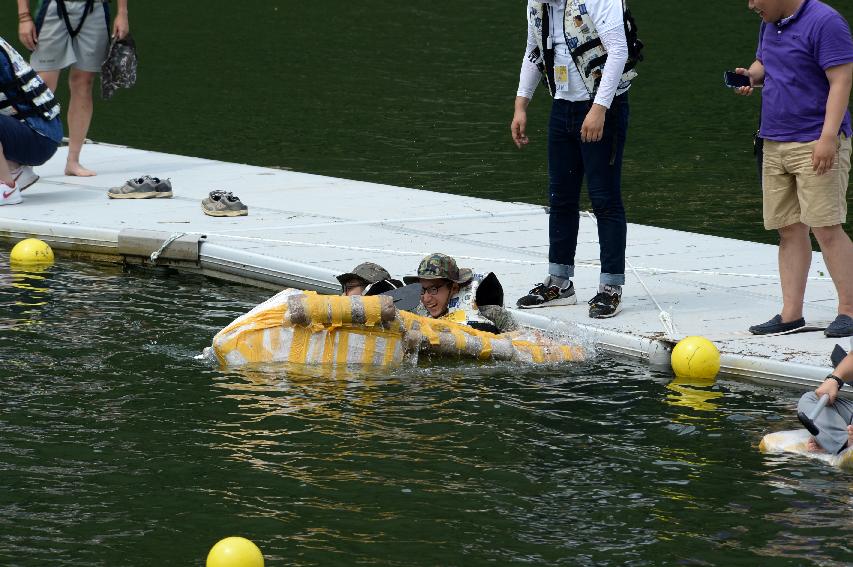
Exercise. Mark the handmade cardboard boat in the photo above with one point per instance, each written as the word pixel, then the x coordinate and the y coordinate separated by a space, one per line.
pixel 303 327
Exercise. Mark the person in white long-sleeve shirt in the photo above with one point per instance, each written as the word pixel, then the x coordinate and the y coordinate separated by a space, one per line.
pixel 586 138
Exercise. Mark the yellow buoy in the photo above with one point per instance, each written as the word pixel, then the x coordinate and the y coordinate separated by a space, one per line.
pixel 695 357
pixel 31 251
pixel 235 552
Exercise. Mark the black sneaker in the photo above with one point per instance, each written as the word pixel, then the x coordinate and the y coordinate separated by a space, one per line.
pixel 605 304
pixel 548 296
pixel 775 326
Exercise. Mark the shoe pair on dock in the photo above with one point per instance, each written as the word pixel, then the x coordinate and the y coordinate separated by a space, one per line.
pixel 842 326
pixel 218 203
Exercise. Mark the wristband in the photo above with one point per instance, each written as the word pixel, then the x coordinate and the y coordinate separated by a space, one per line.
pixel 837 379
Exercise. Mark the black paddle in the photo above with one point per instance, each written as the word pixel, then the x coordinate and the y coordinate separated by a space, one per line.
pixel 837 356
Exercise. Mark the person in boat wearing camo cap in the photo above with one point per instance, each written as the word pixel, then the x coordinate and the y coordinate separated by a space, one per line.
pixel 367 279
pixel 460 295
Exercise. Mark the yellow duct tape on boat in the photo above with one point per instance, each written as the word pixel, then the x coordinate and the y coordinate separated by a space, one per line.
pixel 306 328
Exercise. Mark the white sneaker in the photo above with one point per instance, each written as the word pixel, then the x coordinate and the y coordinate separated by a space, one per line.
pixel 9 195
pixel 24 177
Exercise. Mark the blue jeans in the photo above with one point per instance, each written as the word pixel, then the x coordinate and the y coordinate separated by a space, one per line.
pixel 569 160
pixel 22 144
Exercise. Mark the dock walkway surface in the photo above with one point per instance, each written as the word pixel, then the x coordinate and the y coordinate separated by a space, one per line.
pixel 304 229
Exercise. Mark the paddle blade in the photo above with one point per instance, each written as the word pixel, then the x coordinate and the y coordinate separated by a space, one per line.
pixel 807 423
pixel 837 355
pixel 808 420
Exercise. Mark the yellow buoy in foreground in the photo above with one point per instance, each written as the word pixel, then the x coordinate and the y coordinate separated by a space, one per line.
pixel 695 357
pixel 235 552
pixel 31 251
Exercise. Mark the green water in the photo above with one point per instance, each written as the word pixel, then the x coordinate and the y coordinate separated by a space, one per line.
pixel 117 447
pixel 421 95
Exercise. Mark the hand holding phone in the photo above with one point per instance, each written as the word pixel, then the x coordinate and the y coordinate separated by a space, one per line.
pixel 735 81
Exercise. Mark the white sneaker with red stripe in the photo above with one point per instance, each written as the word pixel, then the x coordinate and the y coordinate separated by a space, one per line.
pixel 24 176
pixel 9 195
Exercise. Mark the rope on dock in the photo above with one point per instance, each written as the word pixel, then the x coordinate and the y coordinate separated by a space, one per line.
pixel 168 241
pixel 664 316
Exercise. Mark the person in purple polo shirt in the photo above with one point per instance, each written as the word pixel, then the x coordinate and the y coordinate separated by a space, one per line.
pixel 805 63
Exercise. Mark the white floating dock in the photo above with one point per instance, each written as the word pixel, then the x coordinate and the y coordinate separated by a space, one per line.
pixel 303 229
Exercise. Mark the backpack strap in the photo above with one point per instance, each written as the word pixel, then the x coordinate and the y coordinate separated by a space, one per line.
pixel 63 11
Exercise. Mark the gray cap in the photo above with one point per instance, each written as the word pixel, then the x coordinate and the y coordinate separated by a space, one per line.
pixel 368 272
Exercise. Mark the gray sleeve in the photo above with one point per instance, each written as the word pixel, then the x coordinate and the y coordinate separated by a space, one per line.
pixel 502 318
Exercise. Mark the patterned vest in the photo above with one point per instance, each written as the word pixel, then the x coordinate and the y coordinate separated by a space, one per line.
pixel 584 45
pixel 22 92
pixel 462 307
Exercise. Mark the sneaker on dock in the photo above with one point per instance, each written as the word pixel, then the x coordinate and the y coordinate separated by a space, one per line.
pixel 223 204
pixel 548 295
pixel 775 326
pixel 606 303
pixel 24 177
pixel 145 187
pixel 9 195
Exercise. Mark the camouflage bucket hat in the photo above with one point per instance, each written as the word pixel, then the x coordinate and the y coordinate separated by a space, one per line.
pixel 368 271
pixel 119 68
pixel 440 267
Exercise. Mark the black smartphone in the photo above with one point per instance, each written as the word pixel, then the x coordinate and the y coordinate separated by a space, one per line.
pixel 733 80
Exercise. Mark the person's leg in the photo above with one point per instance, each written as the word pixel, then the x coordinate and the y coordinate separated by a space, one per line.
pixel 50 78
pixel 781 211
pixel 79 117
pixel 603 164
pixel 11 144
pixel 23 145
pixel 795 257
pixel 565 173
pixel 824 204
pixel 837 250
pixel 5 170
pixel 90 49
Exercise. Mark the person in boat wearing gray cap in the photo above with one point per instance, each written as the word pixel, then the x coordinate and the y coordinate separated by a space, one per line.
pixel 835 422
pixel 460 295
pixel 367 279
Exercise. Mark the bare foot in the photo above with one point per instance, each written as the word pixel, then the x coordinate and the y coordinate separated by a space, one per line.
pixel 813 446
pixel 77 170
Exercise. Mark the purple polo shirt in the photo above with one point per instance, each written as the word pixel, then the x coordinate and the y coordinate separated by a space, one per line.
pixel 796 53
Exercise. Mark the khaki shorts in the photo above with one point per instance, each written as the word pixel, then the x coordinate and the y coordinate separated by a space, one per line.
pixel 56 50
pixel 794 193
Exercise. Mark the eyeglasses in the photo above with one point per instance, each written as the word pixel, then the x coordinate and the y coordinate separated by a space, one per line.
pixel 432 290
